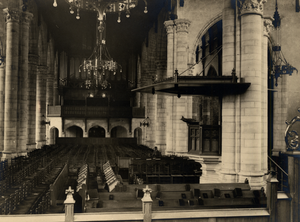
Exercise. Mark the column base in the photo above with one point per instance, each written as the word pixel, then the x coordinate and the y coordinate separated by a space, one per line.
pixel 228 176
pixel 40 144
pixel 161 148
pixel 8 156
pixel 150 143
pixel 30 147
pixel 256 181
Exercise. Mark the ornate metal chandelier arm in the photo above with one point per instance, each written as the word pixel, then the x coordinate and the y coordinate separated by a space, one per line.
pixel 294 142
pixel 101 10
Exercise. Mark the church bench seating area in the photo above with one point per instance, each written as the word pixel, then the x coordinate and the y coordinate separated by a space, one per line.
pixel 25 185
pixel 178 196
pixel 26 190
pixel 25 180
pixel 166 170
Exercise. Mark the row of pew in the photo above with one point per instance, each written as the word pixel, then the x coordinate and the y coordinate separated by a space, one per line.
pixel 180 196
pixel 27 190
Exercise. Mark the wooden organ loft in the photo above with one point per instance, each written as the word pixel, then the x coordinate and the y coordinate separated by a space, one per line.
pixel 85 96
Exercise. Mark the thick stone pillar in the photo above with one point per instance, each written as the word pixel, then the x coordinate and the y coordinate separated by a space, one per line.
pixel 161 113
pixel 151 113
pixel 169 25
pixel 231 112
pixel 182 105
pixel 11 82
pixel 267 26
pixel 31 130
pixel 49 102
pixel 55 82
pixel 252 134
pixel 170 28
pixel 41 105
pixel 2 93
pixel 23 82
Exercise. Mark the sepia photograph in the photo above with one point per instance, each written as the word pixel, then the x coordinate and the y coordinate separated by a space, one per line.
pixel 149 110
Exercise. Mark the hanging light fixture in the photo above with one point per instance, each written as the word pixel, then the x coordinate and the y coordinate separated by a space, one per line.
pixel 100 62
pixel 110 6
pixel 281 66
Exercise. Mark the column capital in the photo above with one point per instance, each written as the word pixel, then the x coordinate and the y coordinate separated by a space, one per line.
pixel 268 25
pixel 182 25
pixel 252 6
pixel 169 25
pixel 26 17
pixel 11 15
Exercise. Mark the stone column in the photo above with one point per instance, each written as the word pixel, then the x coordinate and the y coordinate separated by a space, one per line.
pixel 49 102
pixel 55 82
pixel 2 93
pixel 267 26
pixel 31 137
pixel 230 103
pixel 41 105
pixel 11 82
pixel 252 133
pixel 182 105
pixel 23 82
pixel 151 113
pixel 169 25
pixel 161 113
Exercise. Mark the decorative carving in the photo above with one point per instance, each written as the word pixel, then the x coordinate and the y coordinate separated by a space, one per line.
pixel 182 25
pixel 251 6
pixel 147 194
pixel 26 17
pixel 291 135
pixel 11 15
pixel 169 25
pixel 268 25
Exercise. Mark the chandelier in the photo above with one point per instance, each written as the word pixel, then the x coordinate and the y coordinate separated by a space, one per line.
pixel 281 66
pixel 100 62
pixel 103 7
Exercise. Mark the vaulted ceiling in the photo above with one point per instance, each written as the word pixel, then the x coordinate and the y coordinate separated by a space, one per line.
pixel 122 38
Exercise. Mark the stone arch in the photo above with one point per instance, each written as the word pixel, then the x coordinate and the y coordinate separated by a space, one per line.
pixel 54 132
pixel 138 134
pixel 205 28
pixel 74 131
pixel 96 131
pixel 118 132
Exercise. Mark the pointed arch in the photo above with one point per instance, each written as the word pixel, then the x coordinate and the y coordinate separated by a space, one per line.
pixel 96 131
pixel 74 131
pixel 118 132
